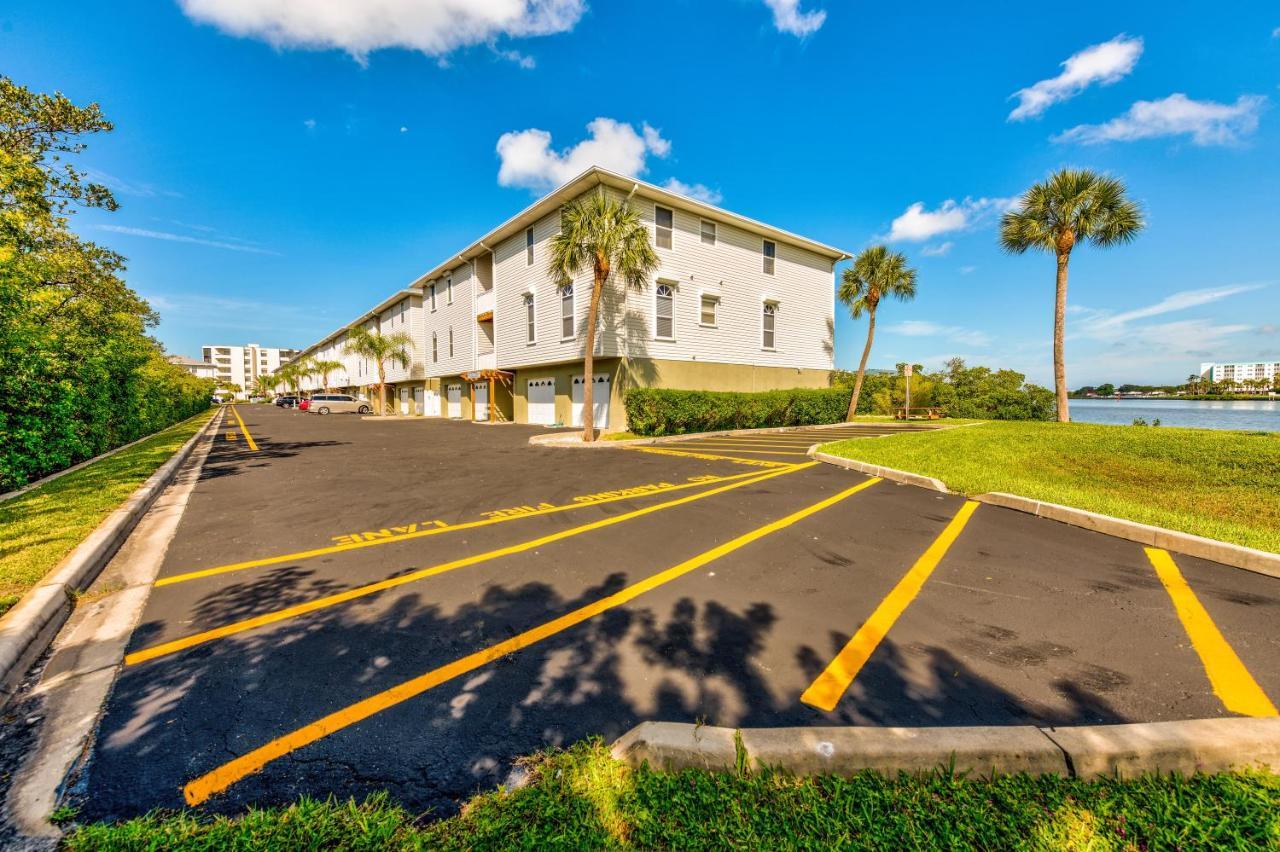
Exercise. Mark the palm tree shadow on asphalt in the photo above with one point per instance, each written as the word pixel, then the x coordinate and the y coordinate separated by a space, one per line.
pixel 175 718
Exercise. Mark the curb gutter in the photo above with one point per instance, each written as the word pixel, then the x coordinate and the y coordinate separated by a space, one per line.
pixel 1235 555
pixel 573 439
pixel 27 629
pixel 882 472
pixel 1090 751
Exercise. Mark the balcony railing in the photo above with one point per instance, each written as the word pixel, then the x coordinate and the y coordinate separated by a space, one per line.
pixel 484 303
pixel 487 361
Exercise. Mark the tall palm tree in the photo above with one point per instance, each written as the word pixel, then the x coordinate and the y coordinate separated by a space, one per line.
pixel 605 233
pixel 876 274
pixel 381 348
pixel 265 384
pixel 1072 207
pixel 323 368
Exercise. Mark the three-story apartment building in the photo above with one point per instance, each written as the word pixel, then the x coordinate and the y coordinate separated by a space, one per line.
pixel 735 304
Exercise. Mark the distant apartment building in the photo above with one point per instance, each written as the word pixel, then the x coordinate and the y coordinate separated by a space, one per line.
pixel 734 304
pixel 199 369
pixel 242 365
pixel 1241 374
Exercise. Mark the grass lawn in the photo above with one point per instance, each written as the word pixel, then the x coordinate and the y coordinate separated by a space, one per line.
pixel 42 526
pixel 582 799
pixel 1214 483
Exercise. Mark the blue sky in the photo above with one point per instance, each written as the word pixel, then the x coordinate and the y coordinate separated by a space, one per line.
pixel 284 164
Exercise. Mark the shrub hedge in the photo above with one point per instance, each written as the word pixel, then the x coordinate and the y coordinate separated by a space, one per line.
pixel 658 411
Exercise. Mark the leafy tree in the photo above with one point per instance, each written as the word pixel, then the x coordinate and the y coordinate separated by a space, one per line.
pixel 1073 206
pixel 380 348
pixel 1107 389
pixel 265 384
pixel 876 274
pixel 606 234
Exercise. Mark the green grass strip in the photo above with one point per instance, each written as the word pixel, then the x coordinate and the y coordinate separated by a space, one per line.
pixel 42 526
pixel 583 799
pixel 1221 484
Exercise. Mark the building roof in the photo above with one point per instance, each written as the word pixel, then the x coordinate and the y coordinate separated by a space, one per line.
pixel 594 176
pixel 184 361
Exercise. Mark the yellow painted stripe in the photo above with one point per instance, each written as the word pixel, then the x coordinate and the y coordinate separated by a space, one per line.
pixel 231 436
pixel 766 445
pixel 751 452
pixel 223 632
pixel 1231 681
pixel 245 429
pixel 224 776
pixel 825 692
pixel 441 528
pixel 693 454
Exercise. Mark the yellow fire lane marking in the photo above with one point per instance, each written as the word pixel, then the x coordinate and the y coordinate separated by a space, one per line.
pixel 166 648
pixel 1231 681
pixel 749 449
pixel 610 497
pixel 231 435
pixel 212 783
pixel 825 692
pixel 705 456
pixel 245 430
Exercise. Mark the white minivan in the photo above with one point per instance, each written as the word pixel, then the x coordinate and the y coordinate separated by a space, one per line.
pixel 337 403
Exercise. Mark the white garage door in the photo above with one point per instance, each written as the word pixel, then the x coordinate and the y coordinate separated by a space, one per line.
pixel 454 393
pixel 404 402
pixel 431 403
pixel 481 391
pixel 599 400
pixel 542 401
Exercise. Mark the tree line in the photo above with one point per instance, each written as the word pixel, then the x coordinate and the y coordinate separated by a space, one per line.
pixel 79 372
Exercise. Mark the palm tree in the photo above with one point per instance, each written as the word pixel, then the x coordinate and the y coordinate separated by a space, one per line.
pixel 877 273
pixel 1071 207
pixel 264 385
pixel 381 348
pixel 324 367
pixel 605 233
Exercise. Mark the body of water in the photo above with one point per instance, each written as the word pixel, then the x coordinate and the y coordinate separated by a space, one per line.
pixel 1249 415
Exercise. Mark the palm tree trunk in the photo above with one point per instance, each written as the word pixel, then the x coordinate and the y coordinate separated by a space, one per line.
pixel 588 361
pixel 1059 332
pixel 382 390
pixel 862 365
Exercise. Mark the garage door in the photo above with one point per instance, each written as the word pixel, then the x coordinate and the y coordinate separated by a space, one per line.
pixel 404 402
pixel 481 397
pixel 542 401
pixel 599 401
pixel 454 396
pixel 431 403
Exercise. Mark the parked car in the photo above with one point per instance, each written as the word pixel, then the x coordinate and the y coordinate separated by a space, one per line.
pixel 338 403
pixel 304 404
pixel 286 401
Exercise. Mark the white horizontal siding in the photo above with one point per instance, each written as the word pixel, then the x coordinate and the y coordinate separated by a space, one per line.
pixel 402 317
pixel 459 316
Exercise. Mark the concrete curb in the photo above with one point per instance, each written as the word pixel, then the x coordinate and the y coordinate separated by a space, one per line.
pixel 27 629
pixel 1238 556
pixel 882 472
pixel 573 439
pixel 1202 745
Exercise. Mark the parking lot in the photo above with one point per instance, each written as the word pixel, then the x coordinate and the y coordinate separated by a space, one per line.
pixel 351 606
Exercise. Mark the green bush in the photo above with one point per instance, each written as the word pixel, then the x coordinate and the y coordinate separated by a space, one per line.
pixel 658 411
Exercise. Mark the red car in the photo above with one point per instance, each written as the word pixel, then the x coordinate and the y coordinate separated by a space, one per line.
pixel 304 404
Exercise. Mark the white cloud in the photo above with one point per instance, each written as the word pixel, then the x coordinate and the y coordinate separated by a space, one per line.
pixel 309 123
pixel 1275 33
pixel 404 130
pixel 436 28
pixel 128 187
pixel 1103 64
pixel 788 18
pixel 184 238
pixel 1105 325
pixel 523 60
pixel 529 161
pixel 967 270
pixel 924 328
pixel 917 224
pixel 1206 122
pixel 697 191
pixel 939 250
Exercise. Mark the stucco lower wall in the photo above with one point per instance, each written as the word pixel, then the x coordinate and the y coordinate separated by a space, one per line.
pixel 648 372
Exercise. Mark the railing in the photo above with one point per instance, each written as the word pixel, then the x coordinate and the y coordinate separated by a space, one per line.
pixel 484 302
pixel 487 361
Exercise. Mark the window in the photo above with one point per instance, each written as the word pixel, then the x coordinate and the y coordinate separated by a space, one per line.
pixel 708 232
pixel 566 312
pixel 431 292
pixel 435 348
pixel 767 320
pixel 450 341
pixel 663 221
pixel 530 327
pixel 448 290
pixel 707 316
pixel 664 299
pixel 770 253
pixel 528 246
